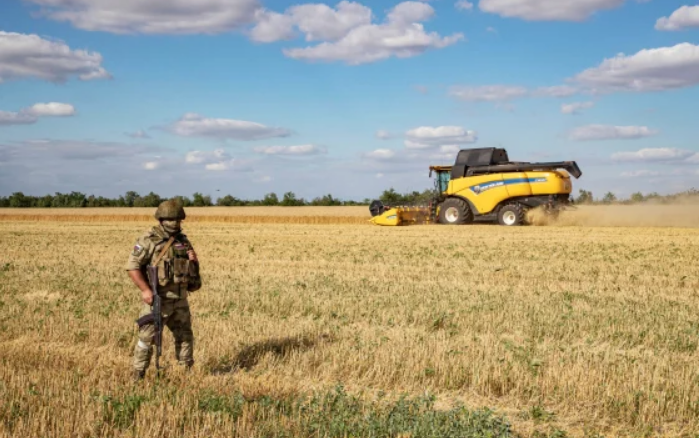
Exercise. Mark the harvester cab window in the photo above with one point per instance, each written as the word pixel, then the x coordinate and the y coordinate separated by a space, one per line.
pixel 443 180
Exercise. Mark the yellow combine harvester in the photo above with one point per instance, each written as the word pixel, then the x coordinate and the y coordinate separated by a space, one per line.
pixel 484 185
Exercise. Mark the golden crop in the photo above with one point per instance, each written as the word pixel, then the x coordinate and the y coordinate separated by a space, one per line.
pixel 574 328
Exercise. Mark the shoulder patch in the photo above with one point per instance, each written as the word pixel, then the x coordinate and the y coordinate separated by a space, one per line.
pixel 137 249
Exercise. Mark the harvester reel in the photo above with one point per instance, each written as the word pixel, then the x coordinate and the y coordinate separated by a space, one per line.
pixel 455 211
pixel 376 208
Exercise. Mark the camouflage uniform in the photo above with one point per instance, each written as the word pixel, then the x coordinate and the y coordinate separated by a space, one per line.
pixel 177 277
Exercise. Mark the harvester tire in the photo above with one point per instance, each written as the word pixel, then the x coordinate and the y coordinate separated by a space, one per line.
pixel 511 215
pixel 455 211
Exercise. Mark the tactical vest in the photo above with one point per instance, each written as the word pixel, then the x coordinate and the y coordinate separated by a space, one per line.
pixel 175 271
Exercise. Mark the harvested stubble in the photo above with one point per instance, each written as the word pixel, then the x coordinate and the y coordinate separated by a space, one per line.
pixel 583 329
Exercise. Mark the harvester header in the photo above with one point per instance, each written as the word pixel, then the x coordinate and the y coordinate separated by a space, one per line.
pixel 484 185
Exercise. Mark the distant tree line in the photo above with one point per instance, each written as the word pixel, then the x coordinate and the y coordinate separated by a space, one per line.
pixel 133 199
pixel 388 197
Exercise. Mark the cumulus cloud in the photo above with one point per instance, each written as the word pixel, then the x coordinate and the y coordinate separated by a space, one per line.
pixel 682 18
pixel 317 21
pixel 52 109
pixel 659 69
pixel 555 91
pixel 152 16
pixel 640 173
pixel 426 137
pixel 47 149
pixel 380 154
pixel 298 150
pixel 488 93
pixel 654 155
pixel 216 160
pixel 500 93
pixel 30 56
pixel 610 132
pixel 346 33
pixel 16 118
pixel 463 5
pixel 194 125
pixel 138 134
pixel 31 115
pixel 383 135
pixel 547 10
pixel 575 107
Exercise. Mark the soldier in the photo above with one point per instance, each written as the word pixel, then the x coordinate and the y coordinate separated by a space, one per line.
pixel 178 275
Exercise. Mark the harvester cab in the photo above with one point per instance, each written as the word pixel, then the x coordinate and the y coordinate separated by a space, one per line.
pixel 483 185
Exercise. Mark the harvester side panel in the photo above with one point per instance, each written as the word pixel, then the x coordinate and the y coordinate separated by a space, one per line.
pixel 486 192
pixel 557 183
pixel 518 184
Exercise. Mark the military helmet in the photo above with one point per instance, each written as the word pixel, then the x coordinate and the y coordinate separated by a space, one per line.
pixel 170 209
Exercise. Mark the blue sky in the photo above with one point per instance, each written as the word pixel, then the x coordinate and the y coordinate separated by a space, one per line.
pixel 349 98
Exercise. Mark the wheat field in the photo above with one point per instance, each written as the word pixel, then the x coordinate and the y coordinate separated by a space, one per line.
pixel 572 329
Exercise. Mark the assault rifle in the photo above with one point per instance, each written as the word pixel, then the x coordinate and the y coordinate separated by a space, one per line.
pixel 157 314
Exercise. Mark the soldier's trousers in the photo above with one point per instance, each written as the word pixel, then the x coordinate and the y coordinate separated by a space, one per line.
pixel 177 318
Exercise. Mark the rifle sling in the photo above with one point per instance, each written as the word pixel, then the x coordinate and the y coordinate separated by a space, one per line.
pixel 164 250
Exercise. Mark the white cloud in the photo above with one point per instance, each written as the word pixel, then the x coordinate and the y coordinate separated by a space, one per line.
pixel 547 10
pixel 658 69
pixel 463 5
pixel 654 155
pixel 194 125
pixel 150 165
pixel 222 165
pixel 304 149
pixel 383 135
pixel 682 18
pixel 138 134
pixel 52 109
pixel 30 115
pixel 216 160
pixel 206 157
pixel 52 150
pixel 640 173
pixel 504 93
pixel 380 154
pixel 555 91
pixel 30 56
pixel 488 93
pixel 346 33
pixel 152 16
pixel 317 21
pixel 575 107
pixel 610 132
pixel 16 118
pixel 426 137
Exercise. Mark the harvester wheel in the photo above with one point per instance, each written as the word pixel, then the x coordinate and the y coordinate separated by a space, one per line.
pixel 455 211
pixel 511 215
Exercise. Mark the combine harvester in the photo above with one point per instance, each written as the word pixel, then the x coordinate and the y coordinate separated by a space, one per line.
pixel 483 185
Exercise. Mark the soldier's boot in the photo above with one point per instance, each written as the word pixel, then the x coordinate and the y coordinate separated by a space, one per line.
pixel 183 351
pixel 138 375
